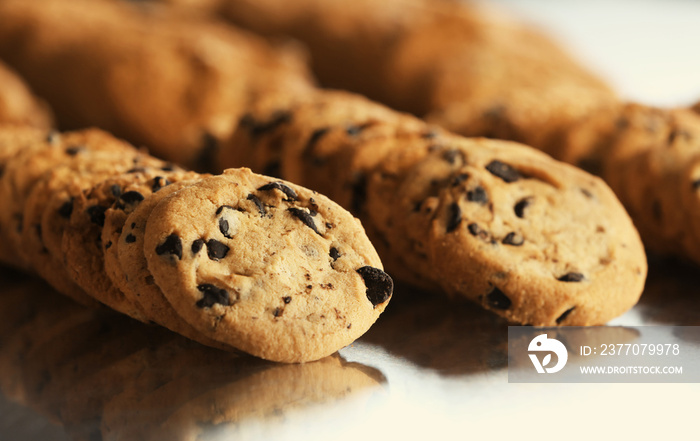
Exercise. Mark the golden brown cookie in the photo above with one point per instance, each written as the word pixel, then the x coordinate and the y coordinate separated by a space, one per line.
pixel 265 266
pixel 157 78
pixel 532 239
pixel 18 106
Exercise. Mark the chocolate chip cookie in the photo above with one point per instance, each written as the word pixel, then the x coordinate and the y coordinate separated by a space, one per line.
pixel 265 266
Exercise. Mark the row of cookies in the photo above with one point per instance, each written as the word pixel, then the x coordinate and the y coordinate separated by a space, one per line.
pixel 230 260
pixel 533 240
pixel 470 67
pixel 479 72
pixel 103 376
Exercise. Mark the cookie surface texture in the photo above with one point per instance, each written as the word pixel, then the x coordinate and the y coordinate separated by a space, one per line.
pixel 266 266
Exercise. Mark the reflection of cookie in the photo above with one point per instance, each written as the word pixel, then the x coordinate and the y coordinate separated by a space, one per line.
pixel 265 266
pixel 271 394
pixel 107 377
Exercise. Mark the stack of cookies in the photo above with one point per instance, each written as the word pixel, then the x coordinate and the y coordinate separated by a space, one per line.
pixel 476 71
pixel 238 261
pixel 256 263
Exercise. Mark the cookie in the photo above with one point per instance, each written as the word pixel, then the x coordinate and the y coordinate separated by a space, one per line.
pixel 82 245
pixel 265 266
pixel 18 106
pixel 89 203
pixel 662 145
pixel 136 282
pixel 471 69
pixel 532 239
pixel 132 195
pixel 26 168
pixel 12 141
pixel 535 241
pixel 169 81
pixel 47 209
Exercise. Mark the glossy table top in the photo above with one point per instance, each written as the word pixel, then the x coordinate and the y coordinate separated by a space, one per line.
pixel 429 367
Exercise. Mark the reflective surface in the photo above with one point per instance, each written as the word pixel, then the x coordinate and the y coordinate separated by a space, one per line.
pixel 429 367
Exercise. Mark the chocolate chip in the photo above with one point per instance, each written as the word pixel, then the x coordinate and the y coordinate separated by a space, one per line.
pixel 168 167
pixel 216 250
pixel 108 245
pixel 571 277
pixel 503 171
pixel 197 246
pixel 564 315
pixel 459 179
pixel 116 190
pixel 158 183
pixel 475 230
pixel 278 312
pixel 131 198
pixel 359 193
pixel 315 137
pixel 97 214
pixel 451 156
pixel 497 299
pixel 223 227
pixel 137 170
pixel 212 295
pixel 286 300
pixel 334 253
pixel 74 150
pixel 379 284
pixel 305 217
pixel 676 133
pixel 478 195
pixel 66 209
pixel 454 217
pixel 513 239
pixel 222 208
pixel 259 128
pixel 587 193
pixel 521 206
pixel 130 238
pixel 291 194
pixel 353 130
pixel 208 151
pixel 258 203
pixel 172 246
pixel 273 169
pixel 53 137
pixel 430 134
